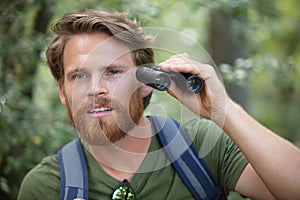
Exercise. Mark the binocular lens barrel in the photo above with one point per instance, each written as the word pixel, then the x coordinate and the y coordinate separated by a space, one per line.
pixel 154 78
pixel 193 83
pixel 161 80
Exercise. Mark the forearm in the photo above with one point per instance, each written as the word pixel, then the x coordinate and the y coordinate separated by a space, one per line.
pixel 274 159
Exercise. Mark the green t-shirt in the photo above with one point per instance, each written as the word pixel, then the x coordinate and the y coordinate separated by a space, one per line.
pixel 222 156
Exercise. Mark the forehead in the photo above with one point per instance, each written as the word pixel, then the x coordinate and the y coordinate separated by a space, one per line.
pixel 96 49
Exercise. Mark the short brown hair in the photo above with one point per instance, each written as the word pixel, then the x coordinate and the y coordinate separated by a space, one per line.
pixel 112 23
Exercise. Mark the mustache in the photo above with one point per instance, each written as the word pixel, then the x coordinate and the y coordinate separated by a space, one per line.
pixel 101 102
pixel 92 103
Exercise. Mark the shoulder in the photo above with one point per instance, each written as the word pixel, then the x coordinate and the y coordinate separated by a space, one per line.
pixel 220 153
pixel 208 138
pixel 202 131
pixel 41 180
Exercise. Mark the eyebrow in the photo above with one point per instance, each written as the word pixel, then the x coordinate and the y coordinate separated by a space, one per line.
pixel 74 69
pixel 113 66
pixel 82 69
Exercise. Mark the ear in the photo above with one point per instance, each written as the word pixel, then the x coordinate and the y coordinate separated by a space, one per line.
pixel 146 90
pixel 62 95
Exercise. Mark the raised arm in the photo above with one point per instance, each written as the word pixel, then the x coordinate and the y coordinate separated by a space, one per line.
pixel 274 161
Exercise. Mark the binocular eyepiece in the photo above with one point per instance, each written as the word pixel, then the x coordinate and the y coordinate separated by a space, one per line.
pixel 161 80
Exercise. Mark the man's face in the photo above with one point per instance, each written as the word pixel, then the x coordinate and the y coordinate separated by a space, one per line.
pixel 100 91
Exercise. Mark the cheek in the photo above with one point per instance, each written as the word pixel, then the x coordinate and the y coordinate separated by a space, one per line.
pixel 126 85
pixel 74 96
pixel 79 87
pixel 124 92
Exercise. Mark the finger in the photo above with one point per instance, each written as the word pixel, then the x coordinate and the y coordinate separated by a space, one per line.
pixel 176 92
pixel 173 59
pixel 180 65
pixel 176 64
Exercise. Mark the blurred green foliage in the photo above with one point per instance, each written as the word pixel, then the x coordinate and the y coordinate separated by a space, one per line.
pixel 33 124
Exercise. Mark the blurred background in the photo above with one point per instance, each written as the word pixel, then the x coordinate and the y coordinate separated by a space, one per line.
pixel 255 45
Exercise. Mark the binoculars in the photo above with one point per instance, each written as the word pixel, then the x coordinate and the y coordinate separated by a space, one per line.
pixel 161 80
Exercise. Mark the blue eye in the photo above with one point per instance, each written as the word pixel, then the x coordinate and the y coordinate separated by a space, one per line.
pixel 80 76
pixel 113 72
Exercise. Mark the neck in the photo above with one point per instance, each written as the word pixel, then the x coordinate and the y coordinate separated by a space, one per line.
pixel 123 158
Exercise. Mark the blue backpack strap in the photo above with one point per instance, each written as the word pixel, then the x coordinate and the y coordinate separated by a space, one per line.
pixel 186 159
pixel 73 171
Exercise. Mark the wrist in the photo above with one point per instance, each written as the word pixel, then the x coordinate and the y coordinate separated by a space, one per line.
pixel 224 114
pixel 235 120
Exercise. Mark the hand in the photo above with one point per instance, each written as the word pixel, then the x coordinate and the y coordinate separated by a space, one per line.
pixel 277 166
pixel 212 101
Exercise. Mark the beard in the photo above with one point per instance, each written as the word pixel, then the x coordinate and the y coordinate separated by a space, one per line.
pixel 109 129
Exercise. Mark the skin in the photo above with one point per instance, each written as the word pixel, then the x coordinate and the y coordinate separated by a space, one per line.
pixel 274 162
pixel 98 67
pixel 269 175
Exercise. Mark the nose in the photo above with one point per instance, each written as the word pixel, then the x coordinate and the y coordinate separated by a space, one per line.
pixel 98 87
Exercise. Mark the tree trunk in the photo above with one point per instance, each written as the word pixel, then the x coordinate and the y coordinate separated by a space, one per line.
pixel 228 43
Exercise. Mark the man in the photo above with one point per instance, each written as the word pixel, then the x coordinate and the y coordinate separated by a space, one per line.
pixel 94 57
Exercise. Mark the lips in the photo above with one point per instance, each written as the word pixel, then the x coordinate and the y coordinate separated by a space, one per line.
pixel 99 110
